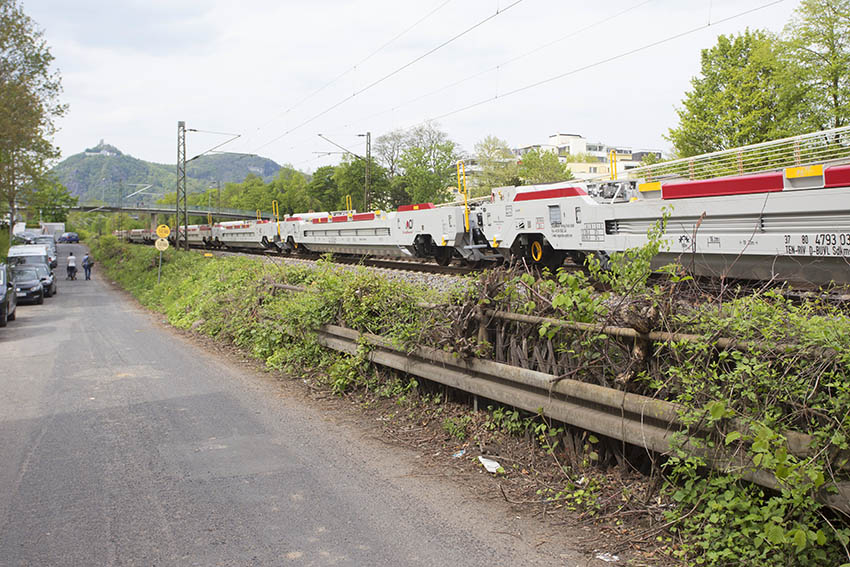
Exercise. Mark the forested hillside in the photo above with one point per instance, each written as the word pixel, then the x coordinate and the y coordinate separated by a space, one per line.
pixel 105 173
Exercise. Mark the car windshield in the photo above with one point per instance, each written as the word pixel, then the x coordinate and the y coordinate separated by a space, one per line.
pixel 30 259
pixel 26 274
pixel 43 271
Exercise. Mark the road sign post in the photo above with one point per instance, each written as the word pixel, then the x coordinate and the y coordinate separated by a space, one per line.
pixel 161 244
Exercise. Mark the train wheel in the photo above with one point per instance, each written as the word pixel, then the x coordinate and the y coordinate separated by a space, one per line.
pixel 443 255
pixel 544 256
pixel 535 251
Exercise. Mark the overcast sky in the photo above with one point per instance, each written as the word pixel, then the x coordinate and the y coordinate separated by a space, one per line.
pixel 280 72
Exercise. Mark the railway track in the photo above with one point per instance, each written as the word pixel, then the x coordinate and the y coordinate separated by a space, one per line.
pixel 703 286
pixel 372 262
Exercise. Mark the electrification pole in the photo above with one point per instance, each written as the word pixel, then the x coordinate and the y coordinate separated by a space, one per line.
pixel 368 162
pixel 181 186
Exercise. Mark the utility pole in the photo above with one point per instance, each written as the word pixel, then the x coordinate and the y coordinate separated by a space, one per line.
pixel 368 162
pixel 367 159
pixel 181 186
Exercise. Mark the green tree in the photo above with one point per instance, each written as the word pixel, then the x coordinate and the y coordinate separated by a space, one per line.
pixel 429 163
pixel 324 189
pixel 50 201
pixel 290 188
pixel 29 93
pixel 744 95
pixel 399 194
pixel 350 178
pixel 498 166
pixel 539 166
pixel 817 50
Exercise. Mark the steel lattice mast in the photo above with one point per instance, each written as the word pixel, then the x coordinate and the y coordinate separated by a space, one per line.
pixel 181 187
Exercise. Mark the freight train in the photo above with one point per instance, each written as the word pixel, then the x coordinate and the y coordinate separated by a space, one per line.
pixel 784 223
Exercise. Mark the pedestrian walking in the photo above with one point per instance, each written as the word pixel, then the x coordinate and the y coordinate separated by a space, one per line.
pixel 72 267
pixel 87 264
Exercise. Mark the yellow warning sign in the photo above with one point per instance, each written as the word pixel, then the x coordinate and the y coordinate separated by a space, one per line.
pixel 163 231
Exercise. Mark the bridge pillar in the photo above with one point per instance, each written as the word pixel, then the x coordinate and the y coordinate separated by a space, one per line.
pixel 154 222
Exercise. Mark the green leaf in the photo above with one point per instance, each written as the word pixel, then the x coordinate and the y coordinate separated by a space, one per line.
pixel 775 534
pixel 732 436
pixel 716 409
pixel 800 540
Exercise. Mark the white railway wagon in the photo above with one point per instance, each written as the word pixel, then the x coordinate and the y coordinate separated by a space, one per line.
pixel 138 235
pixel 237 234
pixel 413 230
pixel 199 234
pixel 791 225
pixel 291 230
pixel 268 233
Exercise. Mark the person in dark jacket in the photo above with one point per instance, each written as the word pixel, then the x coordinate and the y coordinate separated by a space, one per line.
pixel 87 264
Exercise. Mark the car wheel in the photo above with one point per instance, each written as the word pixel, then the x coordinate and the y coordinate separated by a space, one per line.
pixel 40 299
pixel 13 315
pixel 3 317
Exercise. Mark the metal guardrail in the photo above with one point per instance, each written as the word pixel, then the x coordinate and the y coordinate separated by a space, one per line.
pixel 631 418
pixel 653 424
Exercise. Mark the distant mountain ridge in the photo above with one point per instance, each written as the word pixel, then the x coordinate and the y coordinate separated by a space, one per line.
pixel 104 172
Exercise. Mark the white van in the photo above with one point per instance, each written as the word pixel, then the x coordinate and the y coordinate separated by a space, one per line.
pixel 29 254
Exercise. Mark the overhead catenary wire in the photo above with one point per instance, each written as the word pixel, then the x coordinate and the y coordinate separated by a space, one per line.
pixel 497 67
pixel 588 66
pixel 353 67
pixel 391 74
pixel 603 61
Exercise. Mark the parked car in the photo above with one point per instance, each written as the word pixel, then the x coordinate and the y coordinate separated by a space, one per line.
pixel 29 254
pixel 28 286
pixel 47 240
pixel 48 279
pixel 69 237
pixel 25 237
pixel 8 296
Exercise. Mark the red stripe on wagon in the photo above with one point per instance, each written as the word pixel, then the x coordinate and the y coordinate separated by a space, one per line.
pixel 836 176
pixel 419 207
pixel 363 216
pixel 762 183
pixel 550 194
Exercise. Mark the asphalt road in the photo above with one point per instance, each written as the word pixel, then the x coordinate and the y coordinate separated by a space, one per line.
pixel 123 443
